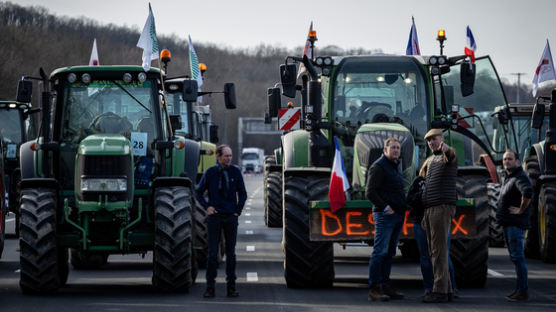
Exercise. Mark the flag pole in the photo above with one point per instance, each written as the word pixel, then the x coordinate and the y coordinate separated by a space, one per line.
pixel 164 104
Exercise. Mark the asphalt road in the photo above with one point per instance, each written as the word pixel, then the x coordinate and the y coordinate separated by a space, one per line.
pixel 124 284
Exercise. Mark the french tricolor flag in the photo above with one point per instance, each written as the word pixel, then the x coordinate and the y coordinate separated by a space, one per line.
pixel 471 45
pixel 339 183
pixel 413 42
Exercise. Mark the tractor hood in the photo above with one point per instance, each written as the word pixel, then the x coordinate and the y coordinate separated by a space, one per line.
pixel 104 144
pixel 369 146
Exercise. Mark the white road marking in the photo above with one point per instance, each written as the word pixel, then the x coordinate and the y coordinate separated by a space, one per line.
pixel 252 277
pixel 249 232
pixel 10 220
pixel 494 273
pixel 247 214
pixel 250 248
pixel 17 271
pixel 248 221
pixel 247 208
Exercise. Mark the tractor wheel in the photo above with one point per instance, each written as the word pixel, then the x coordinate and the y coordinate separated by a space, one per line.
pixel 15 194
pixel 531 166
pixel 547 222
pixel 273 203
pixel 172 239
pixel 470 255
pixel 39 254
pixel 200 238
pixel 63 266
pixel 496 237
pixel 2 229
pixel 306 263
pixel 84 260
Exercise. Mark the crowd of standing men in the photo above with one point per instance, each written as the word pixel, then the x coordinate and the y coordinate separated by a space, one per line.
pixel 433 198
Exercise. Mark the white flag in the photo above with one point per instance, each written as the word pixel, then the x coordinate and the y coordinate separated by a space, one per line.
pixel 545 70
pixel 148 41
pixel 93 61
pixel 194 64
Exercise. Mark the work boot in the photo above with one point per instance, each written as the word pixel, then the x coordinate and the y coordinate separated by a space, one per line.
pixel 435 298
pixel 518 296
pixel 232 292
pixel 209 293
pixel 375 293
pixel 511 295
pixel 391 292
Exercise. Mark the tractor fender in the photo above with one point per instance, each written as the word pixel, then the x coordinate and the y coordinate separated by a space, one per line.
pixel 307 171
pixel 32 183
pixel 26 160
pixel 192 154
pixel 537 150
pixel 295 149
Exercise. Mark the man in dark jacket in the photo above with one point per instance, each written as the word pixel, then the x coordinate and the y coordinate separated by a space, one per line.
pixel 440 199
pixel 227 196
pixel 512 214
pixel 385 189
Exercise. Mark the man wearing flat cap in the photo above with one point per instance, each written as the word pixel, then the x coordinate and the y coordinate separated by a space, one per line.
pixel 439 199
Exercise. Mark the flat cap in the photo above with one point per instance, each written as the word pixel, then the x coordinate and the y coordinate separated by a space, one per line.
pixel 433 133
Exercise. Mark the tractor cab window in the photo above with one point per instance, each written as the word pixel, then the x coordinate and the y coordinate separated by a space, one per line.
pixel 380 89
pixel 109 107
pixel 10 127
pixel 176 106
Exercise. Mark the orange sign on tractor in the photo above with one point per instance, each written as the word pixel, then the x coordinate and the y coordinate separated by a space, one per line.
pixel 357 224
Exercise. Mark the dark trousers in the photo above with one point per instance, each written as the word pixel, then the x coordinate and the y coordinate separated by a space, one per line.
pixel 217 224
pixel 515 239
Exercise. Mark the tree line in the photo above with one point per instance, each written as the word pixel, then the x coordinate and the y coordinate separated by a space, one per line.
pixel 32 37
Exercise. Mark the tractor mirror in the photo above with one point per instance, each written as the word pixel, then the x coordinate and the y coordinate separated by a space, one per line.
pixel 230 95
pixel 189 91
pixel 391 78
pixel 467 77
pixel 24 90
pixel 538 114
pixel 213 134
pixel 175 121
pixel 288 78
pixel 274 101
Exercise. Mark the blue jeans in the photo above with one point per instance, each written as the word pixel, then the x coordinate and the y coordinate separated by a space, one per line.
pixel 387 234
pixel 425 258
pixel 216 224
pixel 515 238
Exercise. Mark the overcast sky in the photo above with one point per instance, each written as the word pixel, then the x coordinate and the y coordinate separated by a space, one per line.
pixel 512 32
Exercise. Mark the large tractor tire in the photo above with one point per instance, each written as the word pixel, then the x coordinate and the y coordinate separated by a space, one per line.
pixel 470 255
pixel 83 260
pixel 532 249
pixel 39 255
pixel 200 242
pixel 496 232
pixel 306 263
pixel 15 194
pixel 273 200
pixel 547 222
pixel 63 266
pixel 172 256
pixel 2 230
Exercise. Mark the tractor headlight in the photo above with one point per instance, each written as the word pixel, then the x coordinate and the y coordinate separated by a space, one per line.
pixel 103 185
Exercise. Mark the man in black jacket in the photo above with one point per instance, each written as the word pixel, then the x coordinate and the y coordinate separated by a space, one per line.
pixel 227 195
pixel 385 189
pixel 513 215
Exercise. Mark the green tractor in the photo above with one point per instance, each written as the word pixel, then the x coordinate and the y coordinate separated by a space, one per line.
pixel 362 100
pixel 197 126
pixel 17 127
pixel 106 175
pixel 540 164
